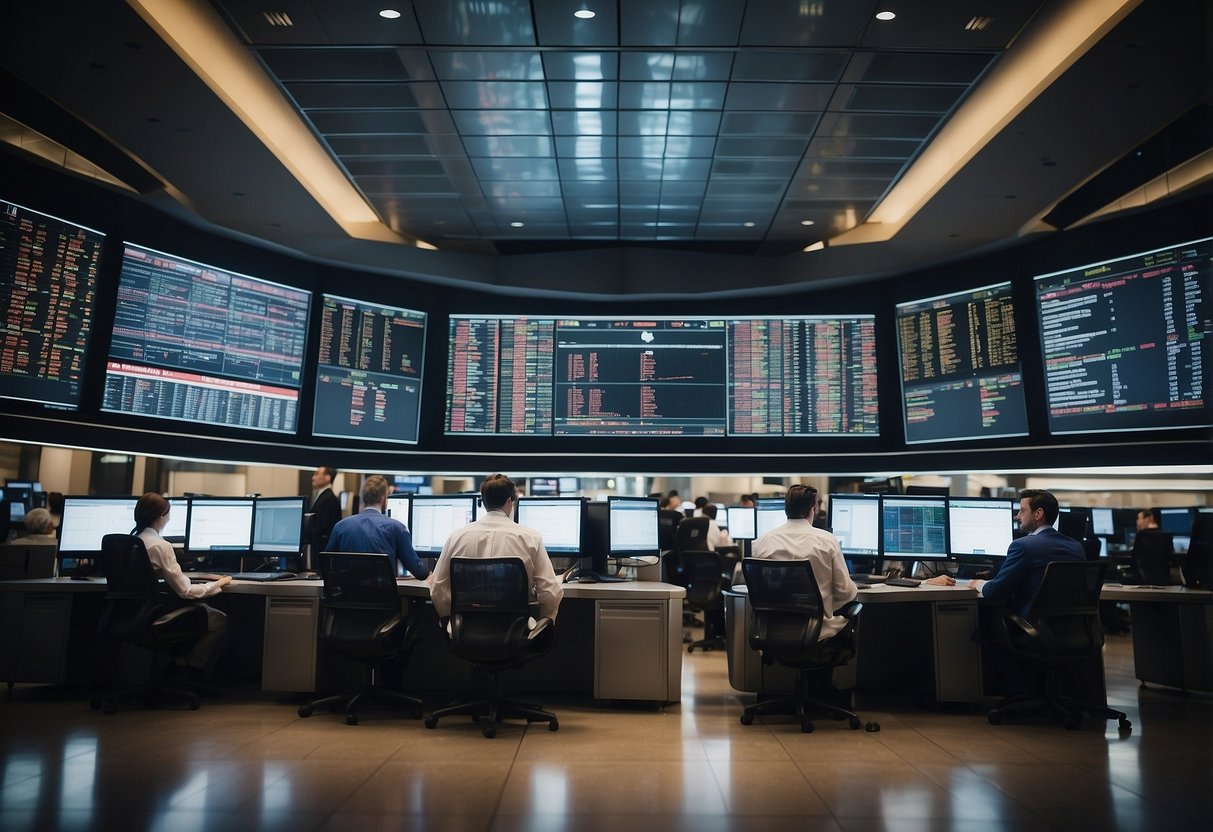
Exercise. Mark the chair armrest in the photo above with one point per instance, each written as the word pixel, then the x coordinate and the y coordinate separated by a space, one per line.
pixel 850 610
pixel 540 625
pixel 1023 624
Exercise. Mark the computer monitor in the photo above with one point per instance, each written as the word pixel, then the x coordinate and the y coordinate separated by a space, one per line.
pixel 632 525
pixel 569 486
pixel 722 515
pixel 557 519
pixel 88 519
pixel 20 499
pixel 1102 523
pixel 1176 520
pixel 980 527
pixel 743 522
pixel 855 521
pixel 770 514
pixel 220 525
pixel 543 486
pixel 398 507
pixel 914 528
pixel 432 518
pixel 178 520
pixel 278 525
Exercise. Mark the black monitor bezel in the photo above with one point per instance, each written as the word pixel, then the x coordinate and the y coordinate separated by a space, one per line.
pixel 865 498
pixel 552 498
pixel 424 498
pixel 914 498
pixel 1011 505
pixel 302 502
pixel 92 553
pixel 647 552
pixel 189 532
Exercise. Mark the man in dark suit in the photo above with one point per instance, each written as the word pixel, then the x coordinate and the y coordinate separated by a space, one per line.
pixel 1021 575
pixel 326 508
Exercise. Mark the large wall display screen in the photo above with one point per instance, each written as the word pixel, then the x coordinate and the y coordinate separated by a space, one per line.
pixel 1124 341
pixel 804 376
pixel 48 282
pixel 198 343
pixel 368 385
pixel 960 371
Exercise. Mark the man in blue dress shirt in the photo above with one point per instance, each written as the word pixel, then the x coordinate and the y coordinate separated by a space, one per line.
pixel 1021 575
pixel 373 531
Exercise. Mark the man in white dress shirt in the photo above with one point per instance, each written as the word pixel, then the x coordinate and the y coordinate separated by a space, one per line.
pixel 496 535
pixel 798 539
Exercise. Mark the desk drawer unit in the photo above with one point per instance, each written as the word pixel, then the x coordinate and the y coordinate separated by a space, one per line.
pixel 638 655
pixel 288 662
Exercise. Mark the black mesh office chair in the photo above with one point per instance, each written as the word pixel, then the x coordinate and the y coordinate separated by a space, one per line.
pixel 1150 561
pixel 20 561
pixel 362 620
pixel 489 627
pixel 691 534
pixel 1196 565
pixel 667 526
pixel 1060 630
pixel 138 611
pixel 786 614
pixel 702 574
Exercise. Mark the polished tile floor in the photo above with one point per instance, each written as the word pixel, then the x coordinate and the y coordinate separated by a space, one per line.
pixel 248 762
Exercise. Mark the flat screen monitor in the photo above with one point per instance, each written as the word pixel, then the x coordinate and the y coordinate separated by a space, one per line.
pixel 432 518
pixel 88 519
pixel 722 516
pixel 980 526
pixel 197 343
pixel 48 291
pixel 398 507
pixel 855 521
pixel 668 377
pixel 1102 522
pixel 1126 343
pixel 743 522
pixel 632 526
pixel 278 525
pixel 20 499
pixel 220 524
pixel 1176 520
pixel 543 486
pixel 770 514
pixel 368 382
pixel 178 520
pixel 557 519
pixel 914 528
pixel 961 377
pixel 569 486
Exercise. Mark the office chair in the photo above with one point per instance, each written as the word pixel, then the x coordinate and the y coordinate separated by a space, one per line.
pixel 1196 565
pixel 362 620
pixel 489 627
pixel 667 525
pixel 691 533
pixel 1061 629
pixel 702 572
pixel 785 621
pixel 1150 561
pixel 139 612
pixel 22 561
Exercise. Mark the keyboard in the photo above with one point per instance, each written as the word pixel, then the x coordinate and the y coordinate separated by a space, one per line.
pixel 902 582
pixel 869 579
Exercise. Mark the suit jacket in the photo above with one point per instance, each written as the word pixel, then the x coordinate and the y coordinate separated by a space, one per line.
pixel 1024 568
pixel 327 510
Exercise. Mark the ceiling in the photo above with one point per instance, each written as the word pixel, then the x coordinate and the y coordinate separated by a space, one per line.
pixel 502 130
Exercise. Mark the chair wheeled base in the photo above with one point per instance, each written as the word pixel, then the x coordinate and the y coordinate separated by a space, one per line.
pixel 1054 703
pixel 352 703
pixel 800 704
pixel 496 709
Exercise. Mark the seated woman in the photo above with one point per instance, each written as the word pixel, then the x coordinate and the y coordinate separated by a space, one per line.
pixel 151 515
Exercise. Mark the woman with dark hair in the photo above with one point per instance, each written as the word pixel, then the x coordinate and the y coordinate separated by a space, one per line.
pixel 151 515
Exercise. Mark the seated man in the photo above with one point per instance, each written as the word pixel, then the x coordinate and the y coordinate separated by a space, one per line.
pixel 496 535
pixel 39 529
pixel 370 530
pixel 1020 576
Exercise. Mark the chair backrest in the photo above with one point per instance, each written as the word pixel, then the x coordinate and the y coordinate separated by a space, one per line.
pixel 127 568
pixel 27 560
pixel 361 580
pixel 136 607
pixel 490 605
pixel 667 527
pixel 692 533
pixel 1151 556
pixel 1065 609
pixel 786 604
pixel 702 571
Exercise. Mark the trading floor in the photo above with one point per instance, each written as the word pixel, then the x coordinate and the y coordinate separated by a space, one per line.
pixel 248 761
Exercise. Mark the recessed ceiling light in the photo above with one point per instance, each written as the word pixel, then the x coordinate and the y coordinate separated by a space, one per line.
pixel 390 14
pixel 806 222
pixel 584 14
pixel 517 224
pixel 885 15
pixel 749 224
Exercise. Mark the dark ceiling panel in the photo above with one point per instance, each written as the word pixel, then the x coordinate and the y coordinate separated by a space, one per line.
pixel 818 23
pixel 951 24
pixel 917 67
pixel 905 98
pixel 335 122
pixel 558 27
pixel 486 66
pixel 818 66
pixel 709 22
pixel 648 22
pixel 335 64
pixel 581 66
pixel 365 96
pixel 476 22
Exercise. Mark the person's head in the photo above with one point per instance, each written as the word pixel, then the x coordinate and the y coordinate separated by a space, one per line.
pixel 700 502
pixel 1146 520
pixel 800 502
pixel 496 491
pixel 675 500
pixel 374 492
pixel 323 476
pixel 663 504
pixel 39 521
pixel 54 503
pixel 1037 508
pixel 746 501
pixel 151 512
pixel 709 510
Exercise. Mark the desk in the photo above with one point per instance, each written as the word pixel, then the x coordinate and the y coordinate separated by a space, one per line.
pixel 922 633
pixel 1172 633
pixel 614 641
